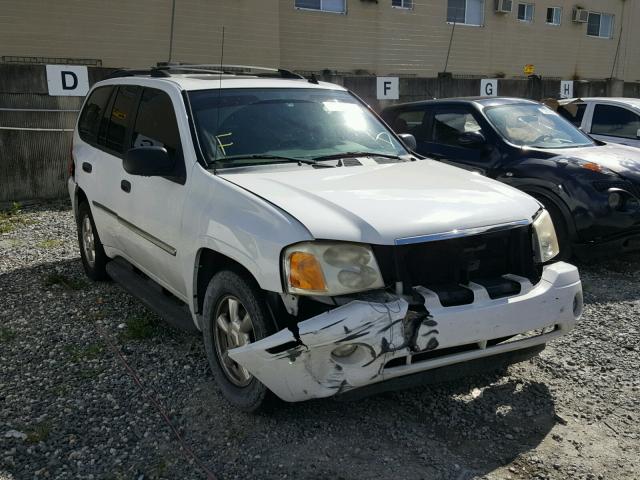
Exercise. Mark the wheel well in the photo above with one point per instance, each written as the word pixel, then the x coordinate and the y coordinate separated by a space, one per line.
pixel 80 198
pixel 541 193
pixel 209 263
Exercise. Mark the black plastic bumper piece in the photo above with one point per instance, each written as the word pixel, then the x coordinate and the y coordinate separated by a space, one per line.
pixel 444 374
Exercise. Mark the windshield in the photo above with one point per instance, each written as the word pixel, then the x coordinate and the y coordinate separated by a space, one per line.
pixel 234 124
pixel 532 125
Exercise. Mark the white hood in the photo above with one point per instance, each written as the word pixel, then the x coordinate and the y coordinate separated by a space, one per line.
pixel 382 203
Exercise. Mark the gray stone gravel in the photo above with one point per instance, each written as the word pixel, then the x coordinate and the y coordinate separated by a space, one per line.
pixel 571 413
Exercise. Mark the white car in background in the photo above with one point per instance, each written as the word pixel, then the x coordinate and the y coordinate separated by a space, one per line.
pixel 611 120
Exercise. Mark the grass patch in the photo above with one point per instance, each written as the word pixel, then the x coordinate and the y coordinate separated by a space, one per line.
pixel 140 327
pixel 7 335
pixel 76 353
pixel 39 433
pixel 11 218
pixel 63 281
pixel 49 243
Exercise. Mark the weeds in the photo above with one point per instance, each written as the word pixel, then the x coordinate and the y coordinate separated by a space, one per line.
pixel 6 335
pixel 63 281
pixel 139 327
pixel 39 433
pixel 11 218
pixel 77 353
pixel 49 243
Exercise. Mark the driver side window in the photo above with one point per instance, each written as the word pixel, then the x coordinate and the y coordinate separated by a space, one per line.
pixel 448 126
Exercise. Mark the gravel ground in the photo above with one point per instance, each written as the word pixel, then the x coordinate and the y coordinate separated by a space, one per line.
pixel 70 409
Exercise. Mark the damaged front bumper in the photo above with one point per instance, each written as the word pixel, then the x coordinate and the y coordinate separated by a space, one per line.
pixel 366 342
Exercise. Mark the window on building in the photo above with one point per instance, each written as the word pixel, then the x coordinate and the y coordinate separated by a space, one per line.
pixel 554 15
pixel 336 6
pixel 615 121
pixel 402 3
pixel 525 12
pixel 468 12
pixel 600 25
pixel 156 124
pixel 123 108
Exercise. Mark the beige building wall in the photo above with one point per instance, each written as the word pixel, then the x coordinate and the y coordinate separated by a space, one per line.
pixel 380 39
pixel 370 37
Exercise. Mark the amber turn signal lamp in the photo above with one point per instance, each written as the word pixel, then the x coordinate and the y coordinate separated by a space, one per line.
pixel 305 272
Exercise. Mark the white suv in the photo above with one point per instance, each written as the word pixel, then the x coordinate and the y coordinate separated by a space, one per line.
pixel 316 253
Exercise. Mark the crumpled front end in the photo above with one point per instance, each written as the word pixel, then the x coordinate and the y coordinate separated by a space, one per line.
pixel 380 337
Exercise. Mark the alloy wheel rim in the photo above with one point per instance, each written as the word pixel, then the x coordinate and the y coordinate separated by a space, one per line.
pixel 88 241
pixel 233 328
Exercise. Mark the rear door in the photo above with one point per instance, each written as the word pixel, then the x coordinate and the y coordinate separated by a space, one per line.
pixel 151 207
pixel 615 124
pixel 97 168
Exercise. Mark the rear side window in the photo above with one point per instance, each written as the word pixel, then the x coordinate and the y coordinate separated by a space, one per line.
pixel 93 113
pixel 120 118
pixel 573 112
pixel 411 121
pixel 615 121
pixel 156 123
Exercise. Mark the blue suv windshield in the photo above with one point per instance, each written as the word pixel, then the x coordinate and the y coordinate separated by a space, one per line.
pixel 291 123
pixel 536 126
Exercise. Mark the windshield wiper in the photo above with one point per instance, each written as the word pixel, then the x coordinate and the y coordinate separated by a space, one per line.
pixel 356 154
pixel 279 158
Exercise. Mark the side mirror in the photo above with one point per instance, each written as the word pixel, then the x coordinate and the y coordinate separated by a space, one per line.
pixel 471 139
pixel 408 140
pixel 148 162
pixel 638 134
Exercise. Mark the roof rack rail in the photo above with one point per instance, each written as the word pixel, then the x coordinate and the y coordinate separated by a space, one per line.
pixel 229 70
pixel 154 72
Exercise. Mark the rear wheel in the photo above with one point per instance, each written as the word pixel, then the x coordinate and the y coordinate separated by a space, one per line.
pixel 560 225
pixel 235 315
pixel 94 260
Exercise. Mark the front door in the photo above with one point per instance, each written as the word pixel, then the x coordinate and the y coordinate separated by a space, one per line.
pixel 445 140
pixel 151 207
pixel 614 124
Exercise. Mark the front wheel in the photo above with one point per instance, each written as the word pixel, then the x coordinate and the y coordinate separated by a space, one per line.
pixel 235 315
pixel 94 260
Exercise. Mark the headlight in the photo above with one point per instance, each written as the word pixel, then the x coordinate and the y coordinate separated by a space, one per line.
pixel 330 268
pixel 545 242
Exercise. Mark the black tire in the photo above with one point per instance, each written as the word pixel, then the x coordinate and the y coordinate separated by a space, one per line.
pixel 224 286
pixel 96 268
pixel 560 225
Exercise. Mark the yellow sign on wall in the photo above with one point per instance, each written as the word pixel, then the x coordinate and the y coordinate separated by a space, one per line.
pixel 529 69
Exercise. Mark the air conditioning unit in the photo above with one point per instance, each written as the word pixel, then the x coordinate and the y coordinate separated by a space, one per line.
pixel 580 15
pixel 504 6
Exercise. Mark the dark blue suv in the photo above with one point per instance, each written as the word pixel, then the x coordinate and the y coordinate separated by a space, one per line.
pixel 591 189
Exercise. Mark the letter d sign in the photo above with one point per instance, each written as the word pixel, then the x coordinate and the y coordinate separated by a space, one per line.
pixel 67 80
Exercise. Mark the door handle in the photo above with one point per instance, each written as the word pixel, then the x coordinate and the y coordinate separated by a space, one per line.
pixel 87 167
pixel 125 186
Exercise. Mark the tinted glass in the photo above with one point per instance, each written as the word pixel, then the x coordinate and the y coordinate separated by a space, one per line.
pixel 573 113
pixel 615 121
pixel 156 123
pixel 456 11
pixel 293 122
pixel 123 109
pixel 411 122
pixel 447 127
pixel 593 26
pixel 92 114
pixel 533 125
